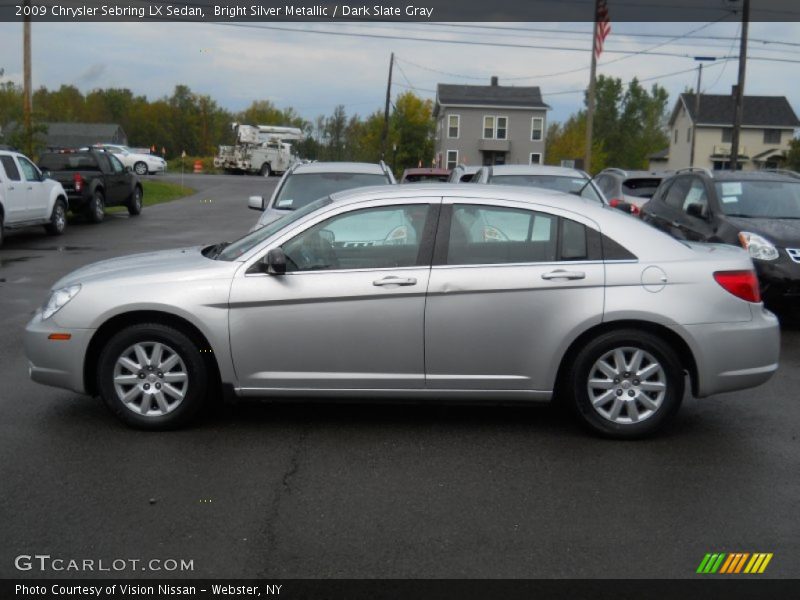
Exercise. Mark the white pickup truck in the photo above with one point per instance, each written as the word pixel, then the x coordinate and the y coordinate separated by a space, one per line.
pixel 27 197
pixel 259 149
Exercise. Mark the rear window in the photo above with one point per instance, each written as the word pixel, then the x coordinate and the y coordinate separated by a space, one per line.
pixel 67 162
pixel 10 167
pixel 303 188
pixel 558 183
pixel 640 188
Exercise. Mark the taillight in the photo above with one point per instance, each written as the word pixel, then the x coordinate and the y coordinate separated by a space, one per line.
pixel 742 284
pixel 78 180
pixel 614 202
pixel 635 211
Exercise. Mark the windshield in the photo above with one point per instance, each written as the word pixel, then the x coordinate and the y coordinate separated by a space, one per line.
pixel 559 183
pixel 301 189
pixel 760 199
pixel 251 240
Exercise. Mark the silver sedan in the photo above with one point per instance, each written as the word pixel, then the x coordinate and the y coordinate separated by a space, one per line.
pixel 439 293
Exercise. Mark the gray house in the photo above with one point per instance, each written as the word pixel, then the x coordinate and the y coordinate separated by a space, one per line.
pixel 489 124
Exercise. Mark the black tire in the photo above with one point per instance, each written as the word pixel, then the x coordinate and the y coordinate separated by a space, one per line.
pixel 58 219
pixel 135 202
pixel 140 168
pixel 196 384
pixel 646 406
pixel 2 232
pixel 265 171
pixel 95 209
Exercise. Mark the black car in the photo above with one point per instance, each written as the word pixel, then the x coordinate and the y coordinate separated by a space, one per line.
pixel 758 210
pixel 93 180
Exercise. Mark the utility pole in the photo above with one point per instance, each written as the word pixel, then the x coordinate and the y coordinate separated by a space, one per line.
pixel 697 92
pixel 737 117
pixel 26 82
pixel 587 158
pixel 385 134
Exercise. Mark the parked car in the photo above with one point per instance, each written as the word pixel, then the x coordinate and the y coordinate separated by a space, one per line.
pixel 560 179
pixel 303 183
pixel 425 175
pixel 628 189
pixel 430 292
pixel 757 210
pixel 93 180
pixel 29 198
pixel 462 174
pixel 142 164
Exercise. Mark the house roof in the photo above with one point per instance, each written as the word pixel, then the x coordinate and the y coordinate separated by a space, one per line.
pixel 489 95
pixel 758 111
pixel 661 154
pixel 83 134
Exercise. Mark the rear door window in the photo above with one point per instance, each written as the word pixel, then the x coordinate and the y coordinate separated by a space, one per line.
pixel 676 195
pixel 10 167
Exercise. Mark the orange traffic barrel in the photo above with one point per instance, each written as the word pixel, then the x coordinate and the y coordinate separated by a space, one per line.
pixel 198 166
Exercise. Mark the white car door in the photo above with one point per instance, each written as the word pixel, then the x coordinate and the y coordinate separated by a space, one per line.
pixel 14 190
pixel 36 191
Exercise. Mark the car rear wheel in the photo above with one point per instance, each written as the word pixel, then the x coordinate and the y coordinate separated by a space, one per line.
pixel 2 233
pixel 96 209
pixel 135 202
pixel 265 171
pixel 626 384
pixel 58 219
pixel 152 376
pixel 140 168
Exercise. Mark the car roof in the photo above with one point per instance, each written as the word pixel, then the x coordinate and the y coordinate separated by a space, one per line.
pixel 536 170
pixel 755 176
pixel 426 171
pixel 339 167
pixel 639 174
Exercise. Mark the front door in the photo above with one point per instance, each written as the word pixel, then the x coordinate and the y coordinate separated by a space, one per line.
pixel 16 191
pixel 349 311
pixel 37 194
pixel 509 288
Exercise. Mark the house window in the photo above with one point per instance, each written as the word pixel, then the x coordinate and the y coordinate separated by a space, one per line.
pixel 453 126
pixel 537 128
pixel 676 136
pixel 488 127
pixel 452 159
pixel 495 128
pixel 536 158
pixel 772 136
pixel 727 135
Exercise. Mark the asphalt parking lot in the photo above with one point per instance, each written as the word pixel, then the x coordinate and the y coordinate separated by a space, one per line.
pixel 314 491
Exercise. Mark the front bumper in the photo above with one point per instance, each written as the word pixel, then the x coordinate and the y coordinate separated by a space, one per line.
pixel 156 167
pixel 735 356
pixel 779 280
pixel 56 362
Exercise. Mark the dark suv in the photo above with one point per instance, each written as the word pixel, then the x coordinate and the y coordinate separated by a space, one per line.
pixel 758 210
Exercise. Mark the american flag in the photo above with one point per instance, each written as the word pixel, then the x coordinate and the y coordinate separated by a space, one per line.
pixel 602 28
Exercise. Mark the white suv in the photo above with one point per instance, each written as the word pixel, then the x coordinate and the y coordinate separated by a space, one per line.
pixel 29 198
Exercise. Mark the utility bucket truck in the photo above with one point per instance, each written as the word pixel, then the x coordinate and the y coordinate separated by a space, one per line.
pixel 263 149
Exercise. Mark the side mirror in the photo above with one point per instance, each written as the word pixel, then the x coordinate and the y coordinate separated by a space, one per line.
pixel 275 262
pixel 128 170
pixel 46 174
pixel 256 203
pixel 696 210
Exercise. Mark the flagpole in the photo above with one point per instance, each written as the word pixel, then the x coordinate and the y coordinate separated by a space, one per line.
pixel 587 159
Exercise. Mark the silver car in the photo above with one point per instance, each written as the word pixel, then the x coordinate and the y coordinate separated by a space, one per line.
pixel 433 292
pixel 305 182
pixel 560 179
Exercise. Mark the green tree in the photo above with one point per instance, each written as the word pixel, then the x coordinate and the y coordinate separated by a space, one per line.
pixel 793 155
pixel 411 128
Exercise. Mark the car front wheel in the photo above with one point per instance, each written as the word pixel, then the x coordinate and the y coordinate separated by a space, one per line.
pixel 140 168
pixel 152 376
pixel 626 384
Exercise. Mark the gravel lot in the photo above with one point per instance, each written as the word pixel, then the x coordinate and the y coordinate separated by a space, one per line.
pixel 373 491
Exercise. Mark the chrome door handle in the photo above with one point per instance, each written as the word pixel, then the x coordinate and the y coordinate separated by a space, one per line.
pixel 562 274
pixel 392 280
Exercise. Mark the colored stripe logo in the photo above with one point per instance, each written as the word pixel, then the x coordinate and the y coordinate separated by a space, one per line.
pixel 734 563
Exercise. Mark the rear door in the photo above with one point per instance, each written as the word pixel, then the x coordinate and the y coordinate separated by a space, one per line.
pixel 37 193
pixel 696 223
pixel 15 192
pixel 509 288
pixel 666 211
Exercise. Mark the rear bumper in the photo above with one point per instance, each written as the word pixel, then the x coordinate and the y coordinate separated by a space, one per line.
pixel 736 356
pixel 56 362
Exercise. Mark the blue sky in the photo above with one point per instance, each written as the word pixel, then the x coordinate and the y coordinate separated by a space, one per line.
pixel 314 73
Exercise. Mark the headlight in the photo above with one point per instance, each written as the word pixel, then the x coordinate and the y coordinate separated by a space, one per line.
pixel 758 247
pixel 58 299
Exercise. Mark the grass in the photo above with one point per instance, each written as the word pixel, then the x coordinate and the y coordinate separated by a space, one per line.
pixel 158 192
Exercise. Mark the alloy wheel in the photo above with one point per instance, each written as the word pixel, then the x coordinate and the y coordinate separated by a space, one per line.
pixel 150 379
pixel 627 385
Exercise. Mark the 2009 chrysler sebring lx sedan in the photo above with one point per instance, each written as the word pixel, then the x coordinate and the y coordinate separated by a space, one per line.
pixel 425 292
